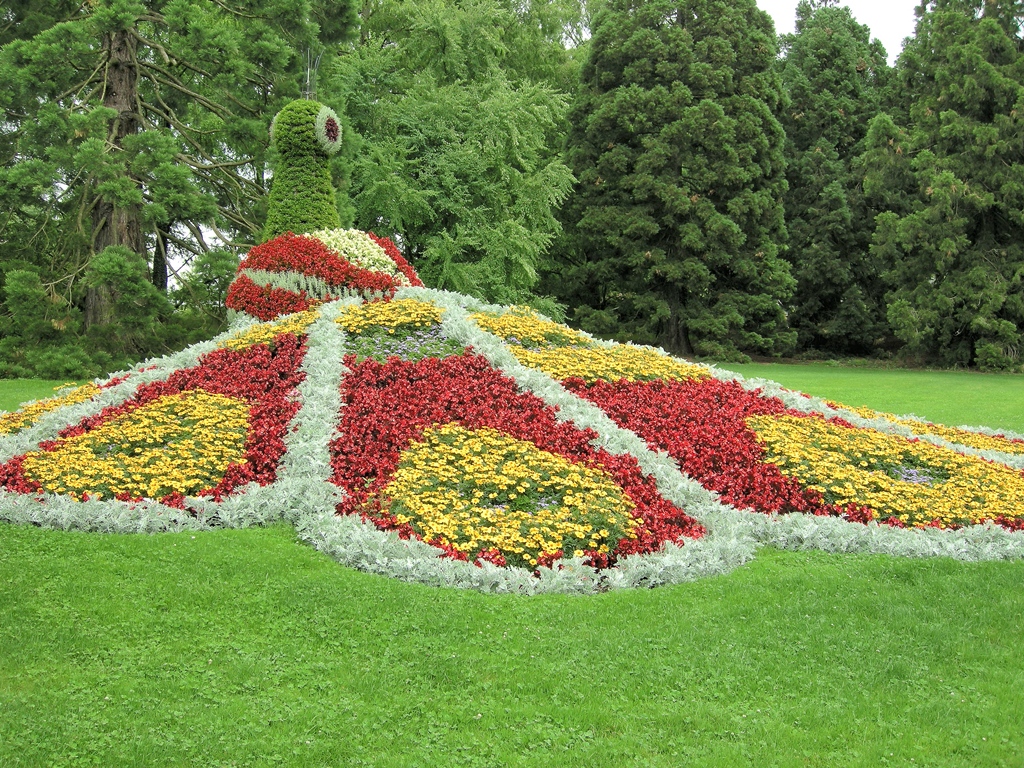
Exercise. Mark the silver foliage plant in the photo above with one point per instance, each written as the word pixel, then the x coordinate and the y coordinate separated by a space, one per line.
pixel 304 496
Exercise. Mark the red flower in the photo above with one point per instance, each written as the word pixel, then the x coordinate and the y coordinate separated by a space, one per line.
pixel 387 406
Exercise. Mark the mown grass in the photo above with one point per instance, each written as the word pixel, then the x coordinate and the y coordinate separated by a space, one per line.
pixel 248 648
pixel 954 398
pixel 14 392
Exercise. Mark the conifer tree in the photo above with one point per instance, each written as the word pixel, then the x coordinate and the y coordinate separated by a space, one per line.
pixel 677 216
pixel 953 185
pixel 834 76
pixel 459 121
pixel 141 124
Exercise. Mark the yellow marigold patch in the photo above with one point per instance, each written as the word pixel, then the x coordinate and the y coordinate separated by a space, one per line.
pixel 477 490
pixel 954 435
pixel 262 333
pixel 622 361
pixel 526 327
pixel 389 314
pixel 28 415
pixel 178 443
pixel 916 481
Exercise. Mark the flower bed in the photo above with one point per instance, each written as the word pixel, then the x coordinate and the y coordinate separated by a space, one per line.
pixel 389 407
pixel 980 440
pixel 203 431
pixel 292 273
pixel 436 439
pixel 763 457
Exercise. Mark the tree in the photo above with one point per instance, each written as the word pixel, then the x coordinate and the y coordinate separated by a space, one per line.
pixel 139 127
pixel 954 229
pixel 834 75
pixel 458 134
pixel 677 213
pixel 142 124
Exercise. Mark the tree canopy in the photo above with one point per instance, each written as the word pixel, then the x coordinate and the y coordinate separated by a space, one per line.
pixel 676 217
pixel 835 76
pixel 952 185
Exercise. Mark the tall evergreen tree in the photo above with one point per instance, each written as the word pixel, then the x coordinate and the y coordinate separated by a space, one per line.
pixel 677 214
pixel 459 127
pixel 953 183
pixel 141 124
pixel 834 76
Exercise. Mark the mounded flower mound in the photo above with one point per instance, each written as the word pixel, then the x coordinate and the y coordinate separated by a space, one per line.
pixel 439 440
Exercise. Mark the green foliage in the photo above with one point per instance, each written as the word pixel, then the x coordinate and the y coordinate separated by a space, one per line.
pixel 135 329
pixel 142 123
pixel 677 216
pixel 834 76
pixel 953 186
pixel 302 194
pixel 458 132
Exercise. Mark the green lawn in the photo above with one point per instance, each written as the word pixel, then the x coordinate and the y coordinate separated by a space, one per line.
pixel 249 648
pixel 246 648
pixel 954 398
pixel 14 392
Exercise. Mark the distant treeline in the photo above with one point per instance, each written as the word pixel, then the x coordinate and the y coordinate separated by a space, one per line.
pixel 661 171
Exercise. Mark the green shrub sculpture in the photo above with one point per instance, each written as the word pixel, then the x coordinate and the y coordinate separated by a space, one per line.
pixel 306 134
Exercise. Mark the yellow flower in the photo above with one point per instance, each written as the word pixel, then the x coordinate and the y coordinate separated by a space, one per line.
pixel 916 481
pixel 29 414
pixel 262 333
pixel 448 495
pixel 188 441
pixel 390 315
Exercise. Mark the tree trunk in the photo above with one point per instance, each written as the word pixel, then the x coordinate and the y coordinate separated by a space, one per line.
pixel 676 337
pixel 160 260
pixel 113 225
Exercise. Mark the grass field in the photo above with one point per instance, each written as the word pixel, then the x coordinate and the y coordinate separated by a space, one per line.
pixel 954 398
pixel 248 648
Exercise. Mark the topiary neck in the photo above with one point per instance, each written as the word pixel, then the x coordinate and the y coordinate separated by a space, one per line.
pixel 301 192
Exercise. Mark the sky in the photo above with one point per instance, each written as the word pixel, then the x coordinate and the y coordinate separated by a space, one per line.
pixel 889 20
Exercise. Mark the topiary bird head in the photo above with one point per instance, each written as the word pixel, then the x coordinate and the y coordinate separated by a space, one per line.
pixel 304 128
pixel 306 134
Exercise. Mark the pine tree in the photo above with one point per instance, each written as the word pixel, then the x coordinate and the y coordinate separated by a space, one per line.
pixel 834 76
pixel 953 183
pixel 677 214
pixel 142 124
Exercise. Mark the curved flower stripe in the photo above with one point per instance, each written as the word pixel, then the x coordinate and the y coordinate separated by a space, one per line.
pixel 299 255
pixel 621 361
pixel 396 256
pixel 309 256
pixel 263 333
pixel 264 376
pixel 358 318
pixel 175 444
pixel 28 414
pixel 481 492
pixel 524 326
pixel 702 425
pixel 954 435
pixel 358 248
pixel 915 482
pixel 388 406
pixel 265 302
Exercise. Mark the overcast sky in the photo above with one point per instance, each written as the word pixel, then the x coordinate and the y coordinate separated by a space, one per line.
pixel 889 20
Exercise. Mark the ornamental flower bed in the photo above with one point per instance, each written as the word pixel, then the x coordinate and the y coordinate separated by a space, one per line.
pixel 594 505
pixel 292 273
pixel 436 439
pixel 203 431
